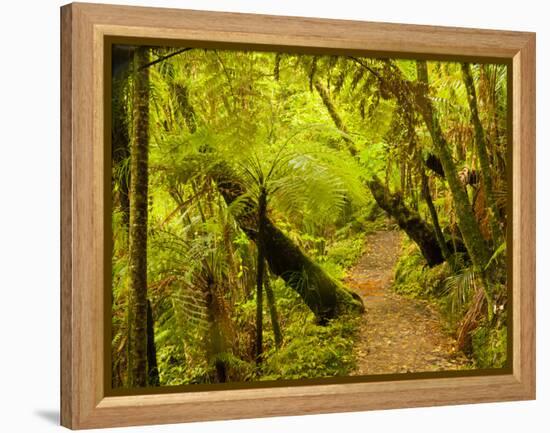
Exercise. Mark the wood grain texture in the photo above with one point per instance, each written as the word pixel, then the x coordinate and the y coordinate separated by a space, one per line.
pixel 84 28
pixel 304 32
pixel 524 215
pixel 66 219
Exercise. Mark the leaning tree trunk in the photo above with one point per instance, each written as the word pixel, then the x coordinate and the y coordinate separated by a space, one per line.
pixel 324 296
pixel 338 122
pixel 138 220
pixel 471 234
pixel 409 221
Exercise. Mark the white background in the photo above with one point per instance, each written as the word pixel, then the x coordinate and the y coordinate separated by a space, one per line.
pixel 29 215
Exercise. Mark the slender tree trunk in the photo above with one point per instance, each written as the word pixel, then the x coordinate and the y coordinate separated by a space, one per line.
pixel 121 151
pixel 152 366
pixel 216 340
pixel 273 311
pixel 481 148
pixel 216 344
pixel 260 271
pixel 471 234
pixel 138 220
pixel 120 137
pixel 338 122
pixel 182 97
pixel 277 67
pixel 129 345
pixel 435 219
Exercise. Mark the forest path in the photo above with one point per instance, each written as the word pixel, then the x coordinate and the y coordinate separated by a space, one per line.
pixel 397 334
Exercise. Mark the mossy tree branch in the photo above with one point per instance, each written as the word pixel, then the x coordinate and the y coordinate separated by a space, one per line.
pixel 481 148
pixel 324 296
pixel 471 233
pixel 410 221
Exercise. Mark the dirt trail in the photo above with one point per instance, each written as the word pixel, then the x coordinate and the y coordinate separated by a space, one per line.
pixel 397 335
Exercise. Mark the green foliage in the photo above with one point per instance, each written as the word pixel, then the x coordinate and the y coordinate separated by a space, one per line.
pixel 414 278
pixel 453 291
pixel 259 118
pixel 373 158
pixel 313 351
pixel 345 252
pixel 489 345
pixel 340 256
pixel 459 291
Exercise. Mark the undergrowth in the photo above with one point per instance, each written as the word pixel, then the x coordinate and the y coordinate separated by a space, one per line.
pixel 452 292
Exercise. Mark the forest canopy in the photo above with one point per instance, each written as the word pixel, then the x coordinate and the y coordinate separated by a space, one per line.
pixel 289 216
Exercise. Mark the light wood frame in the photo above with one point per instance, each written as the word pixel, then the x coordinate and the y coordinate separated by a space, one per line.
pixel 84 28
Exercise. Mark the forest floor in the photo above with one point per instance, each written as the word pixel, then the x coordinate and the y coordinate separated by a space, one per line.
pixel 397 334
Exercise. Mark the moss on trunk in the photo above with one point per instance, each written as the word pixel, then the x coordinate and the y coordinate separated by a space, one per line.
pixel 426 193
pixel 338 122
pixel 471 234
pixel 409 221
pixel 139 152
pixel 481 149
pixel 325 297
pixel 120 149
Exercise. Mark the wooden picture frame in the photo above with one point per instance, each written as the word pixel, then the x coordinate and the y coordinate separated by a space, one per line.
pixel 84 29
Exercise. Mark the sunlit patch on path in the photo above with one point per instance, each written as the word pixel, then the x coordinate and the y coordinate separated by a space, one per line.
pixel 397 334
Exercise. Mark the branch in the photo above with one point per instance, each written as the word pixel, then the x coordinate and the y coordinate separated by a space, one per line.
pixel 163 58
pixel 368 68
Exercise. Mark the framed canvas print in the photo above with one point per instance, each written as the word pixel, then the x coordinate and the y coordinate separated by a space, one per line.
pixel 269 216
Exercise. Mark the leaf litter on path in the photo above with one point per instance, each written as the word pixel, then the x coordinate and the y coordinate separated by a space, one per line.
pixel 397 334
